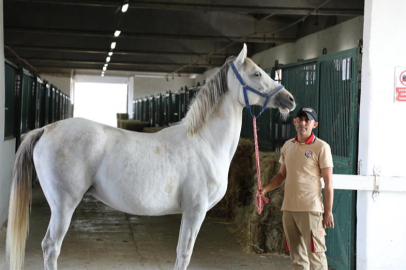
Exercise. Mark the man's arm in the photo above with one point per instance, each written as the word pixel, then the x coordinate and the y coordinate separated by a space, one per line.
pixel 276 181
pixel 328 219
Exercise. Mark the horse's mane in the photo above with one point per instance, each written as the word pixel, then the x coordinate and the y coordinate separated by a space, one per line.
pixel 207 100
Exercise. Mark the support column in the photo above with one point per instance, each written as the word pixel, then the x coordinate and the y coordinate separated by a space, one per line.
pixel 130 98
pixel 2 85
pixel 381 236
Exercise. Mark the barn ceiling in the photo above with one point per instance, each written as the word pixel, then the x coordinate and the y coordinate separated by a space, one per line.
pixel 180 37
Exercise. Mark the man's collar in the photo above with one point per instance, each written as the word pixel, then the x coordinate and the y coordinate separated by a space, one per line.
pixel 310 140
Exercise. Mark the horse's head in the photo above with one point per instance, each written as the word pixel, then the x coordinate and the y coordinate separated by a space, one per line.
pixel 259 87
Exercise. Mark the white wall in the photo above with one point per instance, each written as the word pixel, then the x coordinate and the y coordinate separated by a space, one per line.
pixel 384 49
pixel 146 86
pixel 61 82
pixel 7 147
pixel 6 173
pixel 381 232
pixel 99 79
pixel 381 235
pixel 337 38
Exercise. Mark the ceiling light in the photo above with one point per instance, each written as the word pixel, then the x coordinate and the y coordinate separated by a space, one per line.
pixel 110 53
pixel 106 65
pixel 104 68
pixel 124 8
pixel 113 45
pixel 117 33
pixel 108 59
pixel 102 74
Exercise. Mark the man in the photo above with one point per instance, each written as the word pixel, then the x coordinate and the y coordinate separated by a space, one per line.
pixel 304 160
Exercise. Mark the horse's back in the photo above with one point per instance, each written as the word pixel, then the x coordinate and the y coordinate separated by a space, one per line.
pixel 76 136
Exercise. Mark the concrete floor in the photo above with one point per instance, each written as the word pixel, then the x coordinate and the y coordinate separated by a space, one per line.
pixel 102 238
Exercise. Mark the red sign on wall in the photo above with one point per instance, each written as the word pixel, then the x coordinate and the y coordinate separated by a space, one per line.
pixel 401 94
pixel 400 84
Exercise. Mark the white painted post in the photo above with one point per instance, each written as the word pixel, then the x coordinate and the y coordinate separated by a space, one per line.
pixel 381 236
pixel 2 105
pixel 130 98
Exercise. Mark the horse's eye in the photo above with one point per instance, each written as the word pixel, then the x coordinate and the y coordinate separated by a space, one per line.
pixel 257 74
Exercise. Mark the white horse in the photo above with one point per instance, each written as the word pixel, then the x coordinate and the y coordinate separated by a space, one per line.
pixel 182 169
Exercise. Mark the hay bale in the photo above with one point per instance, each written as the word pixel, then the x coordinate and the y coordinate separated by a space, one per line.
pixel 271 221
pixel 132 125
pixel 259 233
pixel 152 129
pixel 264 233
pixel 121 116
pixel 241 171
pixel 119 125
pixel 239 179
pixel 242 221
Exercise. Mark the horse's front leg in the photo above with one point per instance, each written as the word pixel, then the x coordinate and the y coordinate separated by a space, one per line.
pixel 192 220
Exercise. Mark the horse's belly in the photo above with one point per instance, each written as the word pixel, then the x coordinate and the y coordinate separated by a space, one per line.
pixel 138 196
pixel 132 204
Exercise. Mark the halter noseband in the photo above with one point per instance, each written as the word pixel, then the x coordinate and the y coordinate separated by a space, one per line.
pixel 247 87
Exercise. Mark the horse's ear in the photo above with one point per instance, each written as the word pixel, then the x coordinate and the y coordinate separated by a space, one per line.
pixel 241 57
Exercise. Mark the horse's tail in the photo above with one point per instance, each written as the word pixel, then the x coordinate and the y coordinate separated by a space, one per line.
pixel 20 200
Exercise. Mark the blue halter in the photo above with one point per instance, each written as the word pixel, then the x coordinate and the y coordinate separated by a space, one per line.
pixel 247 87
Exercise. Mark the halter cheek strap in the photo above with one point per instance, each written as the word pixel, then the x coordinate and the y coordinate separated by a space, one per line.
pixel 249 88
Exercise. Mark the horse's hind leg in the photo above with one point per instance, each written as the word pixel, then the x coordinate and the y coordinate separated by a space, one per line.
pixel 63 202
pixel 57 228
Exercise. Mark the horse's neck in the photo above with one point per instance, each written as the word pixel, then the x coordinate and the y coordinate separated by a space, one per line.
pixel 222 130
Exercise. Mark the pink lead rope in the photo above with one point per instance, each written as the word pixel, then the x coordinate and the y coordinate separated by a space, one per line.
pixel 260 200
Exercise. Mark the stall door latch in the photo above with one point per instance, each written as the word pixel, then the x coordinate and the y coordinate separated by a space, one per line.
pixel 377 174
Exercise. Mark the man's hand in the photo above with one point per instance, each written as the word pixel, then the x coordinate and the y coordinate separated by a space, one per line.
pixel 328 220
pixel 276 181
pixel 263 195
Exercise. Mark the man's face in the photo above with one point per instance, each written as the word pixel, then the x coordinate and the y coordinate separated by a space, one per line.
pixel 304 126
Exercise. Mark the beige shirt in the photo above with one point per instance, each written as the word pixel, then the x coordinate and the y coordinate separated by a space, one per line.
pixel 302 184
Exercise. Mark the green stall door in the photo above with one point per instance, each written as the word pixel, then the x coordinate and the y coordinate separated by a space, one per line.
pixel 338 117
pixel 10 88
pixel 329 84
pixel 301 81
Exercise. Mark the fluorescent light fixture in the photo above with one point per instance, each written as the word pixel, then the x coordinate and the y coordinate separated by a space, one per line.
pixel 102 74
pixel 110 53
pixel 124 8
pixel 104 68
pixel 113 45
pixel 106 65
pixel 108 59
pixel 117 33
